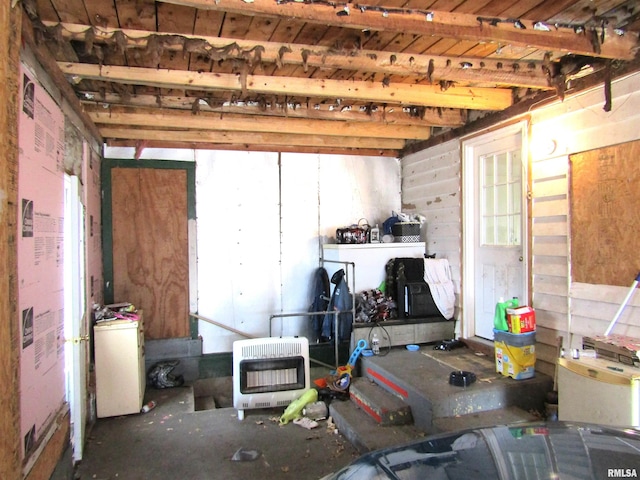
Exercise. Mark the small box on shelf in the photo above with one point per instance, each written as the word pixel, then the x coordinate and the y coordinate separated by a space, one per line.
pixel 406 232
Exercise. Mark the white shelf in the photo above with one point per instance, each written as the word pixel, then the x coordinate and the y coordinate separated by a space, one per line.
pixel 375 246
pixel 369 259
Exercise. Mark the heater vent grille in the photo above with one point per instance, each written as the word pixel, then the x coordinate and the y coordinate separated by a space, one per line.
pixel 271 350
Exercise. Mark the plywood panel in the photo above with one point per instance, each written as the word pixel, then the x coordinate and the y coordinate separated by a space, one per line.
pixel 605 215
pixel 150 247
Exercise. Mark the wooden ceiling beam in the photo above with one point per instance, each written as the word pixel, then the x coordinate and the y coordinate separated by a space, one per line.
pixel 204 121
pixel 426 117
pixel 527 74
pixel 273 139
pixel 460 26
pixel 368 152
pixel 404 94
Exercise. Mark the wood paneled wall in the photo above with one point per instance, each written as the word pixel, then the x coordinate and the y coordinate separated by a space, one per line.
pixel 564 307
pixel 431 187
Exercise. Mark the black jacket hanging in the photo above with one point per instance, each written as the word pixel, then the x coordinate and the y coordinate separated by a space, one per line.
pixel 320 291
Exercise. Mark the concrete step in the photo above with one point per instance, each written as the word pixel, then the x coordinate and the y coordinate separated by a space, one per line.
pixel 384 408
pixel 503 416
pixel 421 379
pixel 364 433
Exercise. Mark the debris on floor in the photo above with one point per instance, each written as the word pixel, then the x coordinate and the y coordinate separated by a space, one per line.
pixel 305 422
pixel 244 455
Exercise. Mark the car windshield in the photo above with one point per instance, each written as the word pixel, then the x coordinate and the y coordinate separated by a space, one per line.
pixel 516 452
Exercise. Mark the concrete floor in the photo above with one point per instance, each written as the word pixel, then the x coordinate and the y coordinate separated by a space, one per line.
pixel 173 441
pixel 193 433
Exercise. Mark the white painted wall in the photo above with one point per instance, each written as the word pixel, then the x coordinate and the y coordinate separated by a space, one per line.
pixel 260 223
pixel 431 185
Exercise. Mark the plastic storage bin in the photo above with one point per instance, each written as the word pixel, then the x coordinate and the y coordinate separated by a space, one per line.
pixel 515 354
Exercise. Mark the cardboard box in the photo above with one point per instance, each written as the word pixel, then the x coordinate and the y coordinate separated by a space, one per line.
pixel 521 320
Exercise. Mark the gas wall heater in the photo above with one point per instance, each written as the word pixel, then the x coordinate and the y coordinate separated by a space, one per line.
pixel 269 372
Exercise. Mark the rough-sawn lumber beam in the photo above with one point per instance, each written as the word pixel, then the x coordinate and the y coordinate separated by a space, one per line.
pixel 404 94
pixel 527 74
pixel 425 117
pixel 177 119
pixel 199 136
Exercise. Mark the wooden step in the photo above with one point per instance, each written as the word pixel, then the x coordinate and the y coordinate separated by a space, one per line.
pixel 383 407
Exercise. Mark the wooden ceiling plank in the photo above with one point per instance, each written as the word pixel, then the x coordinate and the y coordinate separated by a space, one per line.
pixel 261 28
pixel 461 48
pixel 177 119
pixel 314 34
pixel 235 25
pixel 448 5
pixel 390 63
pixel 441 46
pixel 140 14
pixel 522 8
pixel 46 11
pixel 427 117
pixel 72 11
pixel 472 6
pixel 443 24
pixel 495 8
pixel 564 10
pixel 207 23
pixel 427 95
pixel 102 14
pixel 481 50
pixel 287 30
pixel 249 137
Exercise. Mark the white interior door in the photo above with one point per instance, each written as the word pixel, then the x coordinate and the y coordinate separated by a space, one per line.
pixel 74 308
pixel 495 224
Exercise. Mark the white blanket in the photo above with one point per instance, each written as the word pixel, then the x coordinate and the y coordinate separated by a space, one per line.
pixel 437 274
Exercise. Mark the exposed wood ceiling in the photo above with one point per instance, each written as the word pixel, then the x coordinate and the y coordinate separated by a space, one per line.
pixel 370 78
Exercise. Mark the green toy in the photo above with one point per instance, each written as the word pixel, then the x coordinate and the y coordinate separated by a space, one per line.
pixel 294 410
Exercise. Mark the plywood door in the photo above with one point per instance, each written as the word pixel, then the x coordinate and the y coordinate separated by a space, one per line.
pixel 150 247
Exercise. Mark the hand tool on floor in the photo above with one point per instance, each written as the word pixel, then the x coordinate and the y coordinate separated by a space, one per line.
pixel 623 305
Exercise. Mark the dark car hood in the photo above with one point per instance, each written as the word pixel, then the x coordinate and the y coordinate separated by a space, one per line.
pixel 551 450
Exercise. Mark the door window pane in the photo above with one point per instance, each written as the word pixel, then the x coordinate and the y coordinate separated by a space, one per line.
pixel 502 197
